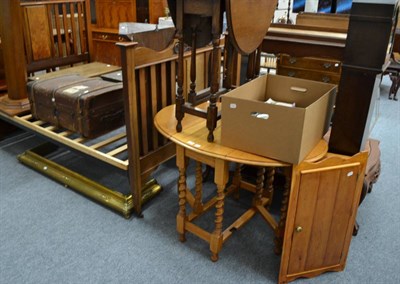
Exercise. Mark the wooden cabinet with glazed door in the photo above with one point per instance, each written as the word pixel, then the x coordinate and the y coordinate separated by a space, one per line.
pixel 321 215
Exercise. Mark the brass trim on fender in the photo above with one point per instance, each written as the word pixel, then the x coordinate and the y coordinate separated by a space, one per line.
pixel 115 200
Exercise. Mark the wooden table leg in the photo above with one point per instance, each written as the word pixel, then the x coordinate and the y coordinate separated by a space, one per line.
pixel 279 232
pixel 220 179
pixel 198 204
pixel 181 218
pixel 257 201
pixel 269 184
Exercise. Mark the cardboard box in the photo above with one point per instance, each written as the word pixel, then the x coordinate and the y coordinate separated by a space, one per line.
pixel 283 133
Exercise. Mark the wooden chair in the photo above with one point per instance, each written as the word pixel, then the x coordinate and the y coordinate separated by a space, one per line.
pixel 56 33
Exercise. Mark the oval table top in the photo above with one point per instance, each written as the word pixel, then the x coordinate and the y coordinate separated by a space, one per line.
pixel 194 137
pixel 248 22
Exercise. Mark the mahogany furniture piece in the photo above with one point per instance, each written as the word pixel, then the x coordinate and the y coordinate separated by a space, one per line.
pixel 371 25
pixel 322 208
pixel 325 20
pixel 191 143
pixel 316 68
pixel 105 25
pixel 198 23
pixel 311 68
pixel 305 41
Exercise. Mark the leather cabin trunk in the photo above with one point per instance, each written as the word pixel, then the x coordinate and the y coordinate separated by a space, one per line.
pixel 88 106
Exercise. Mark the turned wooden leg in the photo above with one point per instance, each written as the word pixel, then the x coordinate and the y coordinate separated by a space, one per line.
pixel 181 218
pixel 269 185
pixel 216 238
pixel 259 186
pixel 212 111
pixel 220 178
pixel 192 91
pixel 180 100
pixel 279 234
pixel 198 204
pixel 237 177
pixel 181 162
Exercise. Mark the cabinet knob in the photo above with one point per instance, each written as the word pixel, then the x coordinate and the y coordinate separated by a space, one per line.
pixel 291 73
pixel 299 229
pixel 327 65
pixel 292 60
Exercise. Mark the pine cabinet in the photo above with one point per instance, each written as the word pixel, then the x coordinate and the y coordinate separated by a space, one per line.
pixel 321 215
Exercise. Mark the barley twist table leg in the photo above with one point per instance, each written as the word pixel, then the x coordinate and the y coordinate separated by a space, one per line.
pixel 284 206
pixel 269 185
pixel 259 186
pixel 216 241
pixel 181 217
pixel 199 183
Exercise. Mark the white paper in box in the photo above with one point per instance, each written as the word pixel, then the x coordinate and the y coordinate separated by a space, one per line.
pixel 284 133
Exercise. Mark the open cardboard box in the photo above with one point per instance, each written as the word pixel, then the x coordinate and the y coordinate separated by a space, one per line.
pixel 283 133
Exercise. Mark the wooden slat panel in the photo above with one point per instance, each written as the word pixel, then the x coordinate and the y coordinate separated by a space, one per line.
pixel 50 128
pixel 163 85
pixel 108 141
pixel 118 150
pixel 154 103
pixel 58 31
pixel 50 15
pixel 322 219
pixel 26 117
pixel 308 195
pixel 143 109
pixel 66 29
pixel 81 28
pixel 73 28
pixel 39 32
pixel 80 139
pixel 341 215
pixel 65 133
pixel 38 122
pixel 73 143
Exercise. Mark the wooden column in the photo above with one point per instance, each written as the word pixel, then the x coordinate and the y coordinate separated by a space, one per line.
pixel 15 101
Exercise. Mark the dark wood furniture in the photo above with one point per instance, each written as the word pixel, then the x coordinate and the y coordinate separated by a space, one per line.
pixel 107 16
pixel 200 22
pixel 371 25
pixel 324 68
pixel 311 68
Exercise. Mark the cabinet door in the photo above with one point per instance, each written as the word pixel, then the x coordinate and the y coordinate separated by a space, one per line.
pixel 109 13
pixel 321 215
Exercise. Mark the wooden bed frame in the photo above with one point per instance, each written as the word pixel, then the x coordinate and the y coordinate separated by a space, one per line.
pixel 149 79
